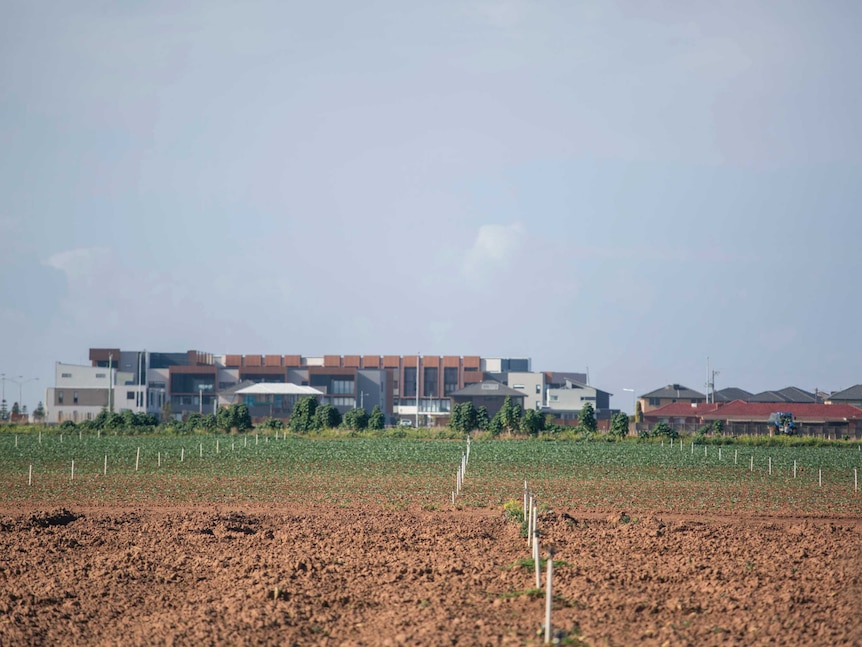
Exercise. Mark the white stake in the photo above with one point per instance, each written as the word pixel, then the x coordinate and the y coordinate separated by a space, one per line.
pixel 530 522
pixel 704 450
pixel 525 499
pixel 245 441
pixel 751 466
pixel 40 437
pixel 770 465
pixel 735 453
pixel 80 435
pixel 255 439
pixel 855 479
pixel 182 454
pixel 105 468
pixel 719 453
pixel 671 443
pixel 820 476
pixel 201 449
pixel 138 459
pixel 216 445
pixel 160 459
pixel 794 468
pixel 549 594
pixel 30 478
pixel 536 559
pixel 692 448
pixel 73 470
pixel 61 438
pixel 16 441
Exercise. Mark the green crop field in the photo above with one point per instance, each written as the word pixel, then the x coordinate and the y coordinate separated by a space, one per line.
pixel 393 472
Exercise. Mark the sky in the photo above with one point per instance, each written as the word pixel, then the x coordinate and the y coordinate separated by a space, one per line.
pixel 625 188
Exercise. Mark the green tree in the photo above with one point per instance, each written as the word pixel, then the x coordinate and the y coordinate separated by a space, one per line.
pixel 456 418
pixel 224 419
pixel 587 418
pixel 326 417
pixel 469 417
pixel 39 412
pixel 496 425
pixel 532 422
pixel 356 419
pixel 128 417
pixel 272 424
pixel 718 427
pixel 662 429
pixel 302 416
pixel 209 422
pixel 376 420
pixel 16 410
pixel 241 417
pixel 510 415
pixel 619 425
pixel 482 419
pixel 193 422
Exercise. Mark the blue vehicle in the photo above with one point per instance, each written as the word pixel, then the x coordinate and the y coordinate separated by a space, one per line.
pixel 781 422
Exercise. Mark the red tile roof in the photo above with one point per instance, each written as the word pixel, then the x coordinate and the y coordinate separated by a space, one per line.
pixel 739 410
pixel 680 409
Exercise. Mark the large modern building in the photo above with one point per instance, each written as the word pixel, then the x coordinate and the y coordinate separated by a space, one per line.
pixel 416 387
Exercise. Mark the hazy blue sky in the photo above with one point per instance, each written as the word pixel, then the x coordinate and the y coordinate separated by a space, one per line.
pixel 629 187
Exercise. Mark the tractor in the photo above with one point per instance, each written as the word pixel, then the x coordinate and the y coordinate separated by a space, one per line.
pixel 781 422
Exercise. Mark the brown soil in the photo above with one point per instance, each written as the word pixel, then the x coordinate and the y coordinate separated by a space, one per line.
pixel 372 576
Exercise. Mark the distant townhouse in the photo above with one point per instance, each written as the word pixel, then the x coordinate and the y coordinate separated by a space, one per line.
pixel 670 394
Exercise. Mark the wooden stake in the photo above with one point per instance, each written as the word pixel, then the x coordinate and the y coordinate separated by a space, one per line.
pixel 704 450
pixel 735 454
pixel 216 445
pixel 549 595
pixel 40 437
pixel 770 465
pixel 201 450
pixel 255 439
pixel 138 459
pixel 182 454
pixel 73 470
pixel 245 441
pixel 525 499
pixel 105 469
pixel 160 459
pixel 751 464
pixel 30 478
pixel 820 477
pixel 719 453
pixel 794 468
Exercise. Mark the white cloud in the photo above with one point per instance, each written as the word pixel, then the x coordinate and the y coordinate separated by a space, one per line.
pixel 493 249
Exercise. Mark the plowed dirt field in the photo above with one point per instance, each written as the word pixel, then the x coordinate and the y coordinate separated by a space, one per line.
pixel 369 575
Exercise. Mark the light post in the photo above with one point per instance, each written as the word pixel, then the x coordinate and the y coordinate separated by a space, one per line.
pixel 201 401
pixel 20 382
pixel 634 405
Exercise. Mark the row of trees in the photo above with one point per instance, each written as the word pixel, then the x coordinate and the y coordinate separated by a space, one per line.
pixel 309 415
pixel 512 419
pixel 16 411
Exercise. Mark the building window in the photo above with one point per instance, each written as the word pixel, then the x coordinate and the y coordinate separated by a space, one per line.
pixel 409 382
pixel 65 375
pixel 538 388
pixel 75 397
pixel 554 398
pixel 429 381
pixel 342 387
pixel 654 402
pixel 101 375
pixel 450 379
pixel 517 386
pixel 130 395
pixel 59 397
